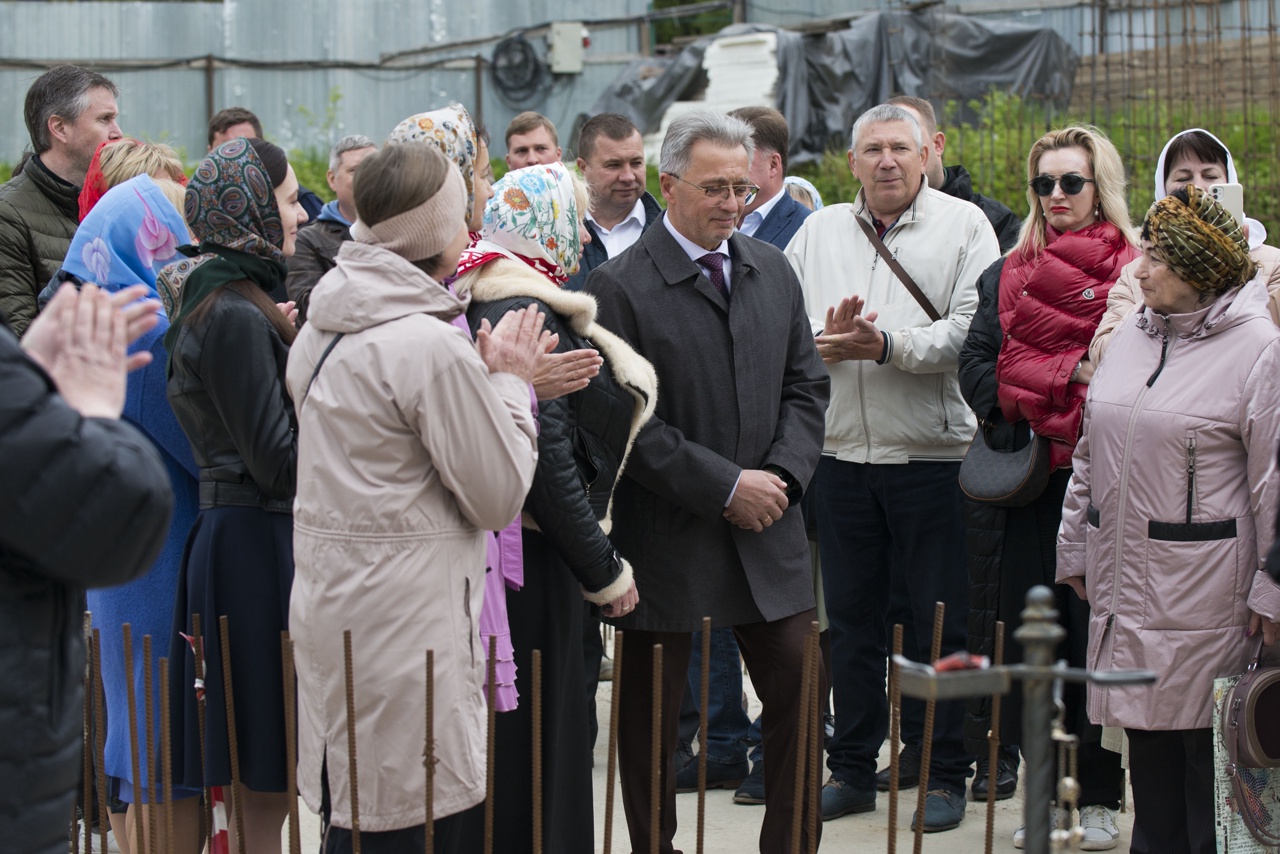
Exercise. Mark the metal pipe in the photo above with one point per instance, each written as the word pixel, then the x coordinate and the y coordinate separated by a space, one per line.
pixel 429 754
pixel 655 753
pixel 166 755
pixel 802 763
pixel 100 734
pixel 993 749
pixel 704 697
pixel 352 770
pixel 229 701
pixel 135 763
pixel 537 751
pixel 615 690
pixel 290 741
pixel 1039 635
pixel 895 735
pixel 149 705
pixel 816 728
pixel 926 747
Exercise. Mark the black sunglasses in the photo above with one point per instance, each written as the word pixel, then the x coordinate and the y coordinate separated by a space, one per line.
pixel 1071 183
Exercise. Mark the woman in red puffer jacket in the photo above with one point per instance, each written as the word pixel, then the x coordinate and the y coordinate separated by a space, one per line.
pixel 1024 369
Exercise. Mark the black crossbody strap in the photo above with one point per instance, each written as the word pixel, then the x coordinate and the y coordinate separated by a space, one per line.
pixel 906 280
pixel 323 356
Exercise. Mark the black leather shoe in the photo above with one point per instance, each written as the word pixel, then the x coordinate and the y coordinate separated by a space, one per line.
pixel 908 769
pixel 1006 779
pixel 720 775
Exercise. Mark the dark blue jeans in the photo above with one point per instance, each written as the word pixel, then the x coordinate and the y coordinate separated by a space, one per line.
pixel 727 724
pixel 876 522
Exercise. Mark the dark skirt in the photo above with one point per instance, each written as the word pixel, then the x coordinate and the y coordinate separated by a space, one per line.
pixel 239 564
pixel 546 615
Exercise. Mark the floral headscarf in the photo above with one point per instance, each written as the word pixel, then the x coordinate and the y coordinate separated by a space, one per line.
pixel 452 131
pixel 231 208
pixel 132 232
pixel 532 217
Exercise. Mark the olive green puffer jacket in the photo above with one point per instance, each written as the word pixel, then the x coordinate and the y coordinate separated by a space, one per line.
pixel 39 214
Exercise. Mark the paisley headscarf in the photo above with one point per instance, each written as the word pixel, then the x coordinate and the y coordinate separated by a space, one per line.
pixel 231 208
pixel 1201 242
pixel 131 233
pixel 533 217
pixel 452 131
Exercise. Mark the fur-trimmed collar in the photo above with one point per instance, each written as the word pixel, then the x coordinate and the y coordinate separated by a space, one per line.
pixel 503 279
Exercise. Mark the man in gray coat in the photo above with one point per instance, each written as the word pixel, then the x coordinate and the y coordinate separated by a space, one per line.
pixel 708 512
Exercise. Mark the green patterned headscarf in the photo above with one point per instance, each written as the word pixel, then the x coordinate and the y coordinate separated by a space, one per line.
pixel 1200 240
pixel 534 217
pixel 231 208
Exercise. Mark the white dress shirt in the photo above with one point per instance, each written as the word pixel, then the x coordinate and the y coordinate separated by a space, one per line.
pixel 618 239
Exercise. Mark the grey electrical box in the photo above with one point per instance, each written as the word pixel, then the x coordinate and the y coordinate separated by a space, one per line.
pixel 565 50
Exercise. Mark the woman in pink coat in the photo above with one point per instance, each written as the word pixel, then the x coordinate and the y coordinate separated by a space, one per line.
pixel 1169 512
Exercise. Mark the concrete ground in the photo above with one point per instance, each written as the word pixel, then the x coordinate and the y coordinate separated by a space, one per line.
pixel 734 829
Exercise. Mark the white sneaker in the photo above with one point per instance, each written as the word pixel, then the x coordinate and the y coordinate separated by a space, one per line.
pixel 1100 830
pixel 1056 819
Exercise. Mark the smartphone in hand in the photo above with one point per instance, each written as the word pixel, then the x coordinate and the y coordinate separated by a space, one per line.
pixel 1231 197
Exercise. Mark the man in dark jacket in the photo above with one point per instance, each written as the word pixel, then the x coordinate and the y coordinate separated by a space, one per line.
pixel 611 158
pixel 318 243
pixel 69 111
pixel 707 510
pixel 84 502
pixel 774 217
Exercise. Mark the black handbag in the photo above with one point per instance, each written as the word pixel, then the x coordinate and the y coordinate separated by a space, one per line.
pixel 1004 478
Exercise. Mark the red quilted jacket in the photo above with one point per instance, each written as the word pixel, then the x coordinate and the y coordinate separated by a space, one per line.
pixel 1050 306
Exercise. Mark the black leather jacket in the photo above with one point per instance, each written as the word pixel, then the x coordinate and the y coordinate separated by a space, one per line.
pixel 581 442
pixel 227 389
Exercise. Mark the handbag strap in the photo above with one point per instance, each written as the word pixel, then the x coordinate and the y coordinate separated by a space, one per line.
pixel 319 362
pixel 906 280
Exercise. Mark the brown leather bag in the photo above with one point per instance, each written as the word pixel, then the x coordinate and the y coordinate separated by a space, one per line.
pixel 1250 727
pixel 903 276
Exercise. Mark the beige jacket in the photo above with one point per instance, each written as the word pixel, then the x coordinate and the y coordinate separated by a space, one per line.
pixel 1172 505
pixel 1125 296
pixel 909 408
pixel 408 451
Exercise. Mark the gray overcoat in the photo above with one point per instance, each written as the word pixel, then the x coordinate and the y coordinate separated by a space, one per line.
pixel 740 386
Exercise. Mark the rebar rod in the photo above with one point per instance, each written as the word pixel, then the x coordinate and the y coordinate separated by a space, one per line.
pixel 817 729
pixel 704 697
pixel 612 761
pixel 166 755
pixel 290 741
pixel 895 734
pixel 229 701
pixel 926 747
pixel 148 785
pixel 993 748
pixel 802 762
pixel 86 752
pixel 197 650
pixel 100 737
pixel 429 754
pixel 655 753
pixel 490 740
pixel 1039 635
pixel 352 769
pixel 135 761
pixel 537 751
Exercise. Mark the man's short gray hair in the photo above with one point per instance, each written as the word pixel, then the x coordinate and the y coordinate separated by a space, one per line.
pixel 717 128
pixel 885 113
pixel 63 90
pixel 354 142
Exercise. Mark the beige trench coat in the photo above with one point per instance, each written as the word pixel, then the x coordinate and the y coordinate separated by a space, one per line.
pixel 409 449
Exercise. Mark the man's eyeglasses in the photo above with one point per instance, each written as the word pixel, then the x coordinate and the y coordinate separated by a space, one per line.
pixel 719 193
pixel 1071 184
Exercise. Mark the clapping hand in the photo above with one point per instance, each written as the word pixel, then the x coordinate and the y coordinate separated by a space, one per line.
pixel 515 344
pixel 848 334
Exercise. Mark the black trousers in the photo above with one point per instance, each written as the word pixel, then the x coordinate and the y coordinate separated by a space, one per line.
pixel 460 833
pixel 1172 776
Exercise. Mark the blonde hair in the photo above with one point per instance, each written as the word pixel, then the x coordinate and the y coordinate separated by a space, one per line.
pixel 581 194
pixel 177 196
pixel 123 161
pixel 1108 177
